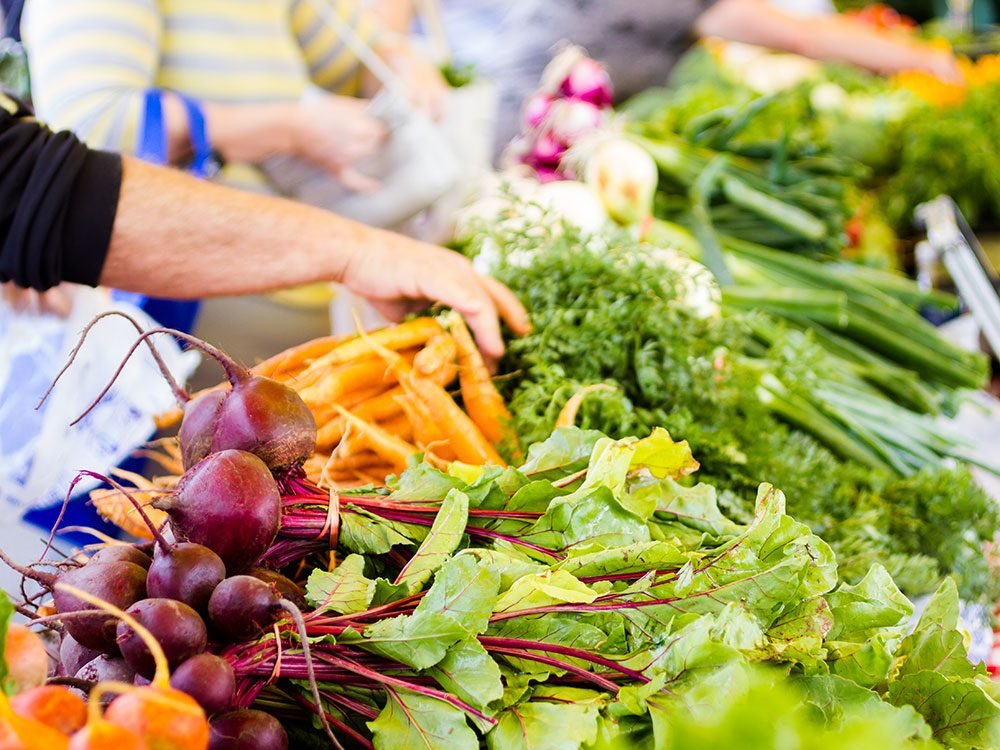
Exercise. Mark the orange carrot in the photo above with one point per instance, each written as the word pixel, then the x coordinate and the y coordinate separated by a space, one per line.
pixel 426 434
pixel 378 409
pixel 415 332
pixel 439 352
pixel 479 396
pixel 393 449
pixel 567 417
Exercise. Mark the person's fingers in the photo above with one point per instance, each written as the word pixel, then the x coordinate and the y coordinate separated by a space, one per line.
pixel 356 181
pixel 508 305
pixel 56 301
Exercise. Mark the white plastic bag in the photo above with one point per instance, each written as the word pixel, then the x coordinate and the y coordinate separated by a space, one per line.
pixel 39 452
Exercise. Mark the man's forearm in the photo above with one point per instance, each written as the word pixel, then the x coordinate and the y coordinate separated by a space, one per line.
pixel 221 241
pixel 826 38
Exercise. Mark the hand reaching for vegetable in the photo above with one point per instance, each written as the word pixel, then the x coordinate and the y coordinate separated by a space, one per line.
pixel 419 76
pixel 337 132
pixel 402 277
pixel 57 301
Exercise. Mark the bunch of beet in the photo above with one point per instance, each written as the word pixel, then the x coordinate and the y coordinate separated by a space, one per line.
pixel 198 589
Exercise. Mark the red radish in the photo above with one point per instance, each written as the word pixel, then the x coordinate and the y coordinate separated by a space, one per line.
pixel 119 583
pixel 72 656
pixel 536 109
pixel 247 730
pixel 27 660
pixel 570 120
pixel 52 705
pixel 547 150
pixel 230 503
pixel 207 678
pixel 178 629
pixel 166 718
pixel 588 81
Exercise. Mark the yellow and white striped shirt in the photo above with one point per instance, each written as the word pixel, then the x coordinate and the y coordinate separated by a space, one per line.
pixel 91 61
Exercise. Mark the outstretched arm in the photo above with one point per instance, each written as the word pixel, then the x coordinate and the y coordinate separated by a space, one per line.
pixel 175 236
pixel 825 38
pixel 68 213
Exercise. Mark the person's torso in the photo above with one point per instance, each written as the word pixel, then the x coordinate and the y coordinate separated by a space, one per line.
pixel 511 42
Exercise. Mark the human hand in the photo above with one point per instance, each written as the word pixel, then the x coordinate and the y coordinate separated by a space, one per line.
pixel 402 276
pixel 337 132
pixel 941 64
pixel 57 301
pixel 426 87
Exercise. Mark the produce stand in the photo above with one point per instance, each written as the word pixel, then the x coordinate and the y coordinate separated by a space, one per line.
pixel 733 489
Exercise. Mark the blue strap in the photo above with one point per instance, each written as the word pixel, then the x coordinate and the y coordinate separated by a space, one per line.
pixel 153 141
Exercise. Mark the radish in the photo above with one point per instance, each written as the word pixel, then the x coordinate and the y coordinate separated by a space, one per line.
pixel 570 120
pixel 120 583
pixel 588 81
pixel 179 630
pixel 536 109
pixel 230 503
pixel 247 730
pixel 207 678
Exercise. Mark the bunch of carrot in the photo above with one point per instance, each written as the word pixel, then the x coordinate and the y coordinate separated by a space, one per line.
pixel 381 397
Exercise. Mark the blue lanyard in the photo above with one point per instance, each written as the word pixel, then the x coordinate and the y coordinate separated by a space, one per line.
pixel 153 135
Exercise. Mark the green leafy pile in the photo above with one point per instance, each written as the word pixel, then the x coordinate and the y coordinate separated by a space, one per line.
pixel 950 151
pixel 613 605
pixel 605 312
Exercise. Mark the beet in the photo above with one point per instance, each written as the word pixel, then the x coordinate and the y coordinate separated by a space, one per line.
pixel 207 678
pixel 230 503
pixel 247 730
pixel 105 668
pixel 119 583
pixel 123 553
pixel 186 572
pixel 72 656
pixel 243 607
pixel 259 415
pixel 288 588
pixel 178 629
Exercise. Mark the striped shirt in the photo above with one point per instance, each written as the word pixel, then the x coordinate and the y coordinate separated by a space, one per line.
pixel 91 61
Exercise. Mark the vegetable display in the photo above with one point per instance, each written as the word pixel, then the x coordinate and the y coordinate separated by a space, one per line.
pixel 374 399
pixel 748 393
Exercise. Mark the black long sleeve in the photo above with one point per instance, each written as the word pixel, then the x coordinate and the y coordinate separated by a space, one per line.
pixel 58 201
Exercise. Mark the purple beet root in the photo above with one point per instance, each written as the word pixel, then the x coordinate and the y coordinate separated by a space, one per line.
pixel 105 668
pixel 207 678
pixel 118 583
pixel 122 553
pixel 179 630
pixel 230 503
pixel 287 588
pixel 72 656
pixel 186 572
pixel 243 607
pixel 247 730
